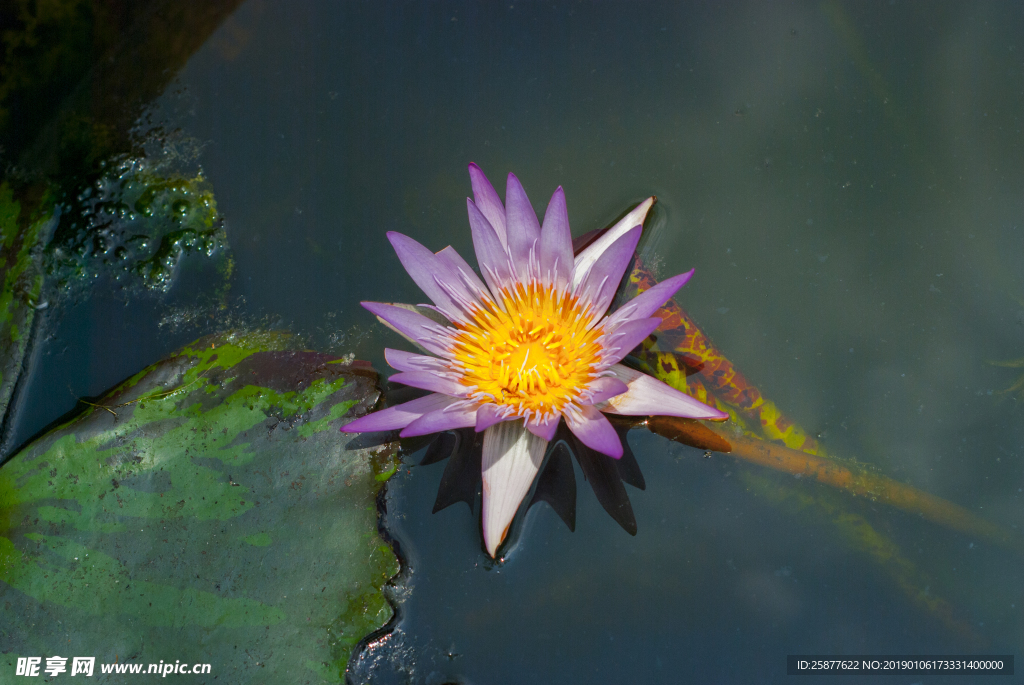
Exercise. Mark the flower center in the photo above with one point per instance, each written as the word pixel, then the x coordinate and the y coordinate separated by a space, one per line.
pixel 537 355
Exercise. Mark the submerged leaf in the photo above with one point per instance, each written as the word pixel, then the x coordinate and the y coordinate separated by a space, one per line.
pixel 557 485
pixel 461 481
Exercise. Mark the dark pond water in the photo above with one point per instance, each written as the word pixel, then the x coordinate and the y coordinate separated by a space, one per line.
pixel 848 181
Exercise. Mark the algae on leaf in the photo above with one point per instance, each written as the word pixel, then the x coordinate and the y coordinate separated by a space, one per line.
pixel 207 510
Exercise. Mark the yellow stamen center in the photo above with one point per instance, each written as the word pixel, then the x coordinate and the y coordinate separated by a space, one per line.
pixel 537 355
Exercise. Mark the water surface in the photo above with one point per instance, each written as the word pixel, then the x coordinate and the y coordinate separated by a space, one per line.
pixel 845 177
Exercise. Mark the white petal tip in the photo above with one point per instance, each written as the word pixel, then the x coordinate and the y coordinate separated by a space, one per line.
pixel 512 458
pixel 493 541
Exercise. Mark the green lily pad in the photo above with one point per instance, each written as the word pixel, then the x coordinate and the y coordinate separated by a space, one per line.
pixel 206 510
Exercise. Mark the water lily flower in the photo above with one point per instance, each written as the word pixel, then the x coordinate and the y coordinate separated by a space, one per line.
pixel 526 347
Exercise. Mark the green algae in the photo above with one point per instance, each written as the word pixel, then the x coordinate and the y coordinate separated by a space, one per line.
pixel 208 501
pixel 258 539
pixel 136 221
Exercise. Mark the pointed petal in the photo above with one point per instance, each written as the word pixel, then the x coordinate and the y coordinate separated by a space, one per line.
pixel 523 228
pixel 398 416
pixel 647 302
pixel 460 481
pixel 511 459
pixel 626 337
pixel 594 431
pixel 602 473
pixel 556 241
pixel 442 447
pixel 429 380
pixel 424 310
pixel 590 254
pixel 416 327
pixel 602 280
pixel 545 430
pixel 628 468
pixel 487 416
pixel 401 360
pixel 464 272
pixel 495 265
pixel 648 396
pixel 605 388
pixel 428 272
pixel 557 485
pixel 449 418
pixel 488 201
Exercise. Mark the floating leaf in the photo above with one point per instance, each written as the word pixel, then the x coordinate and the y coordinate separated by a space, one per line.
pixel 207 510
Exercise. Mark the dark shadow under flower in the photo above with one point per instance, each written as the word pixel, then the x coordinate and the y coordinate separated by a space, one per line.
pixel 556 483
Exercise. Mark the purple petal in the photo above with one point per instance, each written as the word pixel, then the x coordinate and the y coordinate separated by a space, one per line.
pixel 398 416
pixel 599 285
pixel 401 360
pixel 648 396
pixel 647 302
pixel 511 459
pixel 487 416
pixel 436 278
pixel 594 431
pixel 428 334
pixel 422 265
pixel 523 228
pixel 428 311
pixel 441 420
pixel 490 255
pixel 464 272
pixel 591 252
pixel 488 201
pixel 545 430
pixel 627 336
pixel 429 380
pixel 556 241
pixel 604 388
